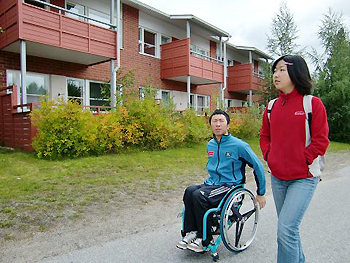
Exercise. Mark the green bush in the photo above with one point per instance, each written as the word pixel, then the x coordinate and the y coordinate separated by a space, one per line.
pixel 157 124
pixel 64 129
pixel 196 127
pixel 245 124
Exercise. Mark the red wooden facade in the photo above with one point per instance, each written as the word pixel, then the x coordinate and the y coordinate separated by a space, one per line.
pixel 243 78
pixel 177 62
pixel 31 23
pixel 16 130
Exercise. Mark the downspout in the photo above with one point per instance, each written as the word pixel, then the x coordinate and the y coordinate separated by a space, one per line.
pixel 113 84
pixel 250 91
pixel 225 72
pixel 23 72
pixel 188 34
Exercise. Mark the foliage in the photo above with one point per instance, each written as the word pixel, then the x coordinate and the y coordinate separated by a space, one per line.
pixel 196 127
pixel 269 91
pixel 245 124
pixel 333 80
pixel 283 33
pixel 64 129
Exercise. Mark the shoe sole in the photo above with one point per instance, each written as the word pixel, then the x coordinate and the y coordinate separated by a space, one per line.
pixel 180 247
pixel 197 250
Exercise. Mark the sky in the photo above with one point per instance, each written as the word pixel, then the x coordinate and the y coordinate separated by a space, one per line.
pixel 249 21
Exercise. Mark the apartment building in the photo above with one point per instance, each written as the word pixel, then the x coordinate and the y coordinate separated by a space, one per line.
pixel 72 49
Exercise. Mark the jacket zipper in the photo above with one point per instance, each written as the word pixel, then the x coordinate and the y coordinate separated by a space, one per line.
pixel 217 166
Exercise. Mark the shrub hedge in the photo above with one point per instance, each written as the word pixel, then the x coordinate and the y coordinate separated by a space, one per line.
pixel 67 130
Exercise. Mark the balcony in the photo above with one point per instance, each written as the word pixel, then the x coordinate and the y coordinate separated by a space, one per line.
pixel 53 35
pixel 178 62
pixel 242 78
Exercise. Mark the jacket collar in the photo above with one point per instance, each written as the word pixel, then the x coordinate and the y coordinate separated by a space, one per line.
pixel 223 138
pixel 285 97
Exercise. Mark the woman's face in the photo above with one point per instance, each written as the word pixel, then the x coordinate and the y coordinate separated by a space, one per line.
pixel 281 78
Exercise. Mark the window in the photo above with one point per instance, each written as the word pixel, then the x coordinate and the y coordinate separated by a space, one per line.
pixel 229 62
pixel 100 16
pixel 141 93
pixel 37 3
pixel 199 102
pixel 234 103
pixel 192 47
pixel 165 39
pixel 199 52
pixel 166 97
pixel 75 8
pixel 75 90
pixel 201 105
pixel 37 84
pixel 147 42
pixel 99 94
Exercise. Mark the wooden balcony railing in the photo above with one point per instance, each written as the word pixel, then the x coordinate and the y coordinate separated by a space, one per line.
pixel 27 22
pixel 243 78
pixel 177 61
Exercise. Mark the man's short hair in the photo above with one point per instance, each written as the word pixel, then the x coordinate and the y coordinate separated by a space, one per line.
pixel 218 112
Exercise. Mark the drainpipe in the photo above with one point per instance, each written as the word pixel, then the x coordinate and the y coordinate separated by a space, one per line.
pixel 113 84
pixel 188 35
pixel 23 72
pixel 225 72
pixel 220 49
pixel 250 91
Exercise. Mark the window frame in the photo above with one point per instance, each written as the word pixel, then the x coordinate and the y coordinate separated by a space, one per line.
pixel 83 95
pixel 194 102
pixel 142 42
pixel 89 98
pixel 17 81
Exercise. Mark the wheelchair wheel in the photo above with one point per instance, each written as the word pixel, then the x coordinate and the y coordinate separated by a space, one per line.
pixel 239 220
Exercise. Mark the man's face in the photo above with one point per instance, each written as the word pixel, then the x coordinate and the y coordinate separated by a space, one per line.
pixel 219 125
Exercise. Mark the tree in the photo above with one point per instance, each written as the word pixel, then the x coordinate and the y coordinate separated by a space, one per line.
pixel 331 25
pixel 333 80
pixel 281 42
pixel 283 33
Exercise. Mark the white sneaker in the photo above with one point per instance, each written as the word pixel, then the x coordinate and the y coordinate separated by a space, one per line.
pixel 196 245
pixel 186 240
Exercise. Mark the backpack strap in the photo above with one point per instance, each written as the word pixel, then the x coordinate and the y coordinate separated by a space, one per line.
pixel 308 115
pixel 269 108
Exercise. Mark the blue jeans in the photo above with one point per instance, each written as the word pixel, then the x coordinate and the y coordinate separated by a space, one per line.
pixel 292 198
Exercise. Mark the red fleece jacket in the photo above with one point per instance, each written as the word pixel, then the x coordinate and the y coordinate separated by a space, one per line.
pixel 282 141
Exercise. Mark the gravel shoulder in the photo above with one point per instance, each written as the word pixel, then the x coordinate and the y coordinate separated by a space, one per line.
pixel 107 222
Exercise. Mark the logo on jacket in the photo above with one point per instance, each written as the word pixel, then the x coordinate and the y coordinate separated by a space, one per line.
pixel 300 112
pixel 228 154
pixel 210 154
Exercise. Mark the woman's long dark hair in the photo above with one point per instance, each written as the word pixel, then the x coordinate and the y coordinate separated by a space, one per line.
pixel 298 73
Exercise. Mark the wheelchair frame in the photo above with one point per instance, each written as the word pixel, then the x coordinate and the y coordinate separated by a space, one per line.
pixel 228 214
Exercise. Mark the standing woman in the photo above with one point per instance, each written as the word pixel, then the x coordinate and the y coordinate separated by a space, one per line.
pixel 282 142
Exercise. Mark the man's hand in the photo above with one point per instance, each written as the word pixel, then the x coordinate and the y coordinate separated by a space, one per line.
pixel 261 201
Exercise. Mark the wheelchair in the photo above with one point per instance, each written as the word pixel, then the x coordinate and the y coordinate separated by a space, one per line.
pixel 234 222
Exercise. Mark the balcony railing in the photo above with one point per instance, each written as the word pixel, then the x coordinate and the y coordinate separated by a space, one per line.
pixel 60 9
pixel 178 62
pixel 242 78
pixel 22 21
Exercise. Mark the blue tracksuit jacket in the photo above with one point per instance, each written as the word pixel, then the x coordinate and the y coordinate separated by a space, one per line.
pixel 227 160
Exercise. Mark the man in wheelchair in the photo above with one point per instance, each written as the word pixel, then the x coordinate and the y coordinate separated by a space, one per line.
pixel 227 158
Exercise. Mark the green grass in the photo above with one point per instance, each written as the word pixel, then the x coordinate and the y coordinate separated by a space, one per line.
pixel 36 193
pixel 338 147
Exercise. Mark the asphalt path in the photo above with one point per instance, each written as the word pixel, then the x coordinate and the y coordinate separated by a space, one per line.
pixel 325 234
